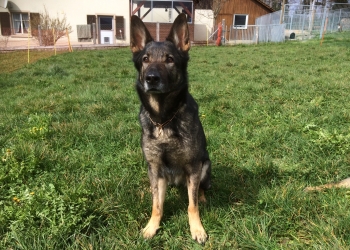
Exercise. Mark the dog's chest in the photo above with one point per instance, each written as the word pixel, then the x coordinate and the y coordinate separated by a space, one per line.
pixel 161 142
pixel 172 147
pixel 168 153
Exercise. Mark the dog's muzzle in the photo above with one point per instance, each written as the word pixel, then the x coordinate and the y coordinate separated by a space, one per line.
pixel 153 82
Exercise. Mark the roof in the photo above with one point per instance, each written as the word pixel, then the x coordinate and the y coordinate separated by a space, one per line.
pixel 265 5
pixel 208 5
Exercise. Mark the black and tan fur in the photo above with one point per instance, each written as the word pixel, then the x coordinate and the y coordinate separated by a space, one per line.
pixel 173 140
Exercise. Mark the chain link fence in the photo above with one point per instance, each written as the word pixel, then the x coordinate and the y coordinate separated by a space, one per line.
pixel 306 21
pixel 297 22
pixel 267 28
pixel 253 34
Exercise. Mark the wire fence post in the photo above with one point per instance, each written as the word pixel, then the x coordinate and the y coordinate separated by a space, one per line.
pixel 339 27
pixel 69 45
pixel 224 31
pixel 324 29
pixel 54 38
pixel 39 33
pixel 28 44
pixel 236 30
pixel 332 24
pixel 229 35
pixel 323 25
pixel 94 32
pixel 302 28
pixel 312 18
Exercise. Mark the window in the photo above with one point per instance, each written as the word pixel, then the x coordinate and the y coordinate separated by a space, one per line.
pixel 162 11
pixel 240 21
pixel 106 23
pixel 20 22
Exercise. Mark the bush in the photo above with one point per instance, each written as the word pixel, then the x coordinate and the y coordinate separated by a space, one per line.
pixel 51 29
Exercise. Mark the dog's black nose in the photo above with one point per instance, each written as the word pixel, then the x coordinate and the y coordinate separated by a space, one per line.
pixel 152 78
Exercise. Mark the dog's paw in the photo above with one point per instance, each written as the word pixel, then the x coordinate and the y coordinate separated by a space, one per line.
pixel 199 235
pixel 149 231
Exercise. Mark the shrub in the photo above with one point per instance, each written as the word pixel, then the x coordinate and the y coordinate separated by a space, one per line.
pixel 51 28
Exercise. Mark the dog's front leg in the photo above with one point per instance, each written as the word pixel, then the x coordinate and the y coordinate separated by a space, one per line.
pixel 158 187
pixel 197 231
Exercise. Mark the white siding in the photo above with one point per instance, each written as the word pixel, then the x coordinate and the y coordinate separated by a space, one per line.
pixel 76 11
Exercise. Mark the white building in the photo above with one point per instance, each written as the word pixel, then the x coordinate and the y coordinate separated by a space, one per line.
pixel 111 18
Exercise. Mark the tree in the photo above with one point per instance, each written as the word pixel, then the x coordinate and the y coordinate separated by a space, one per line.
pixel 51 28
pixel 327 3
pixel 275 4
pixel 214 5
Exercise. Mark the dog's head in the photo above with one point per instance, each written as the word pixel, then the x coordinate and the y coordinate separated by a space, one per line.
pixel 162 66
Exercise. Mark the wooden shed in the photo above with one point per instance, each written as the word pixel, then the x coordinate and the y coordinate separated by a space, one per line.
pixel 242 12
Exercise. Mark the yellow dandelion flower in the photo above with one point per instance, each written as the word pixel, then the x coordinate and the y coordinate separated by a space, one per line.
pixel 15 199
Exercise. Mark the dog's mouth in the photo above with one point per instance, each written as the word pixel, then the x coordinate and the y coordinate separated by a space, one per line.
pixel 153 91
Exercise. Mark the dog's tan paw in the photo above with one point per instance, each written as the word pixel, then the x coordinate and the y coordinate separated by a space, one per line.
pixel 199 235
pixel 149 231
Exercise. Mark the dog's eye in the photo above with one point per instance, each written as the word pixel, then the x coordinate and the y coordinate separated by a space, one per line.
pixel 145 59
pixel 169 59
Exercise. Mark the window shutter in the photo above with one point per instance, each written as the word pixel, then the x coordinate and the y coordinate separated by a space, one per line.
pixel 90 19
pixel 5 23
pixel 119 25
pixel 34 22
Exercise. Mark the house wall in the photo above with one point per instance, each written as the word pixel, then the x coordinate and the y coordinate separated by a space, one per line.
pixel 251 7
pixel 76 11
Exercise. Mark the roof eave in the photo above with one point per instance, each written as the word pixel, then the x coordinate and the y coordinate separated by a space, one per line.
pixel 265 5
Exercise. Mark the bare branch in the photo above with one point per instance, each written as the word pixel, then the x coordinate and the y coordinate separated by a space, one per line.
pixel 51 28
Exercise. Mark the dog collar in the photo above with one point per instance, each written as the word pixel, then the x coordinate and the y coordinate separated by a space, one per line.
pixel 160 126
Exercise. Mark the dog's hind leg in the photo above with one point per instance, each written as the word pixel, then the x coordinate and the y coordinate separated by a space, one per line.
pixel 205 182
pixel 197 231
pixel 158 186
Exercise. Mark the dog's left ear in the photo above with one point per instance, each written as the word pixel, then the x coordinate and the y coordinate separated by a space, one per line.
pixel 139 34
pixel 179 33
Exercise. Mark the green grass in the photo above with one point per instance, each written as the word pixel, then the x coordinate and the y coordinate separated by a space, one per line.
pixel 276 116
pixel 11 61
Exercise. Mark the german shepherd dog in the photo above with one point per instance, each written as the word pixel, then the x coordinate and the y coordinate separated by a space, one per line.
pixel 173 140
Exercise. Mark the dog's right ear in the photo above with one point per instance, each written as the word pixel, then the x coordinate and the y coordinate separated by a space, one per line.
pixel 139 35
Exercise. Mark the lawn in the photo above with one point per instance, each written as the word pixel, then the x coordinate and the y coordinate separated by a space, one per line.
pixel 276 117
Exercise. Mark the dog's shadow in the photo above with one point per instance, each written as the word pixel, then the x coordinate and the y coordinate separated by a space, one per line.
pixel 230 186
pixel 234 185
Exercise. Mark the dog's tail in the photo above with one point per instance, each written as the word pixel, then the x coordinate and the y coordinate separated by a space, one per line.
pixel 343 184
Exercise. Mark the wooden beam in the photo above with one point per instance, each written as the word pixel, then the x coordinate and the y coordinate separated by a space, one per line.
pixel 282 12
pixel 186 9
pixel 138 7
pixel 148 11
pixel 177 10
